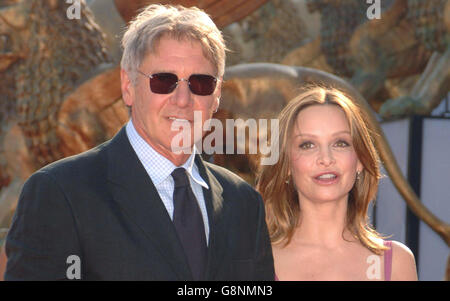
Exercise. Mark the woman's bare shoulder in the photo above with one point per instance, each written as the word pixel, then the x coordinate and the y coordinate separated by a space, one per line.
pixel 403 263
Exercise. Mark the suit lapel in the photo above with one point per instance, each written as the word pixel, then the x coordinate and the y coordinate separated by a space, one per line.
pixel 216 216
pixel 134 191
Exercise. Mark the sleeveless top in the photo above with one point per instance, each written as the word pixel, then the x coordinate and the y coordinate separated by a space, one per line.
pixel 387 262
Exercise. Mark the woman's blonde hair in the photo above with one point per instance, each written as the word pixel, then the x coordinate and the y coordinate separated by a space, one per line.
pixel 279 194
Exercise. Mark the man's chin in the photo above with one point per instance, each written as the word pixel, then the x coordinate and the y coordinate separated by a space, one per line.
pixel 186 149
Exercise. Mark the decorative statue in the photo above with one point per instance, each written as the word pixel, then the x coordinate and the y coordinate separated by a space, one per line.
pixel 56 100
pixel 399 63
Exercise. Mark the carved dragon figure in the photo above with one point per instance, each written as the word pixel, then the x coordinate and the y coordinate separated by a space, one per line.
pixel 51 69
pixel 381 56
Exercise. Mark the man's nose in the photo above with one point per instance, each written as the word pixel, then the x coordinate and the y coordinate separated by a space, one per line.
pixel 182 95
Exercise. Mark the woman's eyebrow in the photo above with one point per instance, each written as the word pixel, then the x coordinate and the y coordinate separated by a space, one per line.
pixel 341 132
pixel 334 134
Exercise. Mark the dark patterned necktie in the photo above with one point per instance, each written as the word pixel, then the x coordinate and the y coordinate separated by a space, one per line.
pixel 188 222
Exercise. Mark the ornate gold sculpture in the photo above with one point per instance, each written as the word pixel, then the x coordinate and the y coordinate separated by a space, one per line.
pixel 56 98
pixel 383 57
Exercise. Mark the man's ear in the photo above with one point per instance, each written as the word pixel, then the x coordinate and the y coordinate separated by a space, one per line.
pixel 127 87
pixel 217 96
pixel 216 104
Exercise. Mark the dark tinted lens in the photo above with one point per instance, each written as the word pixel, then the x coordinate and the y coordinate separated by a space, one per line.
pixel 163 83
pixel 202 84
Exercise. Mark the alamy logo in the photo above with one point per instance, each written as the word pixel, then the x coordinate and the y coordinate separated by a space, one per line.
pixel 374 10
pixel 258 137
pixel 374 270
pixel 74 270
pixel 74 10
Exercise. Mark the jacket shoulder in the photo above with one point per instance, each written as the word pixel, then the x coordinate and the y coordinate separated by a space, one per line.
pixel 81 164
pixel 223 174
pixel 231 181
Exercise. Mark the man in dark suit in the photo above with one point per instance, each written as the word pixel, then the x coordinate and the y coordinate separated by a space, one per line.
pixel 133 208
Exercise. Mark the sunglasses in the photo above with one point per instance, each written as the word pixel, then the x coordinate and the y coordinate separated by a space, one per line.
pixel 165 83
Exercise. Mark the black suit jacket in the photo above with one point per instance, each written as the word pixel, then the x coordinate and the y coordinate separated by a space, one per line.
pixel 102 207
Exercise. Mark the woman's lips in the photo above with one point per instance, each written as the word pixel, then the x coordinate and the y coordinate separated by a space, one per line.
pixel 326 178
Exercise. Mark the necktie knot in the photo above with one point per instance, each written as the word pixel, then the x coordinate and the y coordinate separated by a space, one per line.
pixel 180 177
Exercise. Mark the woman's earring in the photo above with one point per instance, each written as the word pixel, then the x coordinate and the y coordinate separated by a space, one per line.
pixel 288 179
pixel 358 175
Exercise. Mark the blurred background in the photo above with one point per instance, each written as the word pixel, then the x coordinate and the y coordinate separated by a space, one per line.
pixel 60 91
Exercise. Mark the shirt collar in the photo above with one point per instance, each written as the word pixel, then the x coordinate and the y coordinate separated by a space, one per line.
pixel 158 167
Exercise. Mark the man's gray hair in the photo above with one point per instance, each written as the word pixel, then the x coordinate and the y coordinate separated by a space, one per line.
pixel 178 22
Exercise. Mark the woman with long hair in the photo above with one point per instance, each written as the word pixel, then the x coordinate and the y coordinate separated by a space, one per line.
pixel 318 193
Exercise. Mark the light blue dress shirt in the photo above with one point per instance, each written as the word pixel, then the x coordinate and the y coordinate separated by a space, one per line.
pixel 159 168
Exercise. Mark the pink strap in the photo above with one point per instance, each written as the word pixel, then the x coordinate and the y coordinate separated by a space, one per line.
pixel 388 260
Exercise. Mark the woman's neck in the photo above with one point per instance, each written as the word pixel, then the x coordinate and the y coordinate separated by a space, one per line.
pixel 322 224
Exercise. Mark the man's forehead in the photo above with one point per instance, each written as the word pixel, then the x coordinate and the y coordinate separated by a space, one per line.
pixel 168 37
pixel 154 49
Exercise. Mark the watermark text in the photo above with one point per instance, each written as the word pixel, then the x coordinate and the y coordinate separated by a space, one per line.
pixel 213 143
pixel 374 10
pixel 74 10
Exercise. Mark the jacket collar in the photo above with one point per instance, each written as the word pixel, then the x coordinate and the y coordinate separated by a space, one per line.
pixel 134 191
